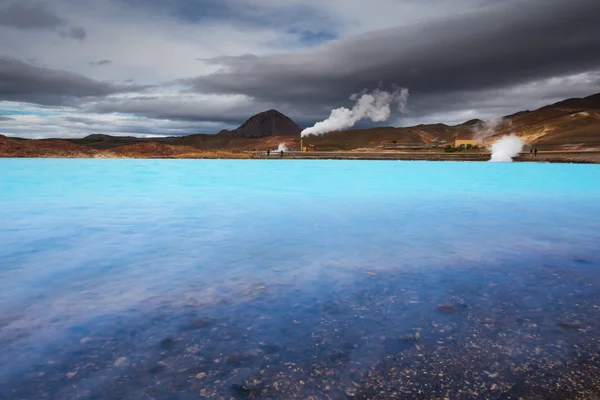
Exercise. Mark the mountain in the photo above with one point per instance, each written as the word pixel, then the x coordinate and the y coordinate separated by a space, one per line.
pixel 569 124
pixel 268 123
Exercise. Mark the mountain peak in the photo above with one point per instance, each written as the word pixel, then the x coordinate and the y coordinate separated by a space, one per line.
pixel 266 123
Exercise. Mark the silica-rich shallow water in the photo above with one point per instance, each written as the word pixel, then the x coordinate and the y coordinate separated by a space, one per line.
pixel 289 279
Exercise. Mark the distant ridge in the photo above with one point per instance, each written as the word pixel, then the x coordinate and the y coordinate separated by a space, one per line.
pixel 268 123
pixel 100 136
pixel 572 124
pixel 589 102
pixel 472 122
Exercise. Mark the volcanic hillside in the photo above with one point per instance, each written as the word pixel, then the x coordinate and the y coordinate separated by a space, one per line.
pixel 569 124
pixel 566 125
pixel 268 123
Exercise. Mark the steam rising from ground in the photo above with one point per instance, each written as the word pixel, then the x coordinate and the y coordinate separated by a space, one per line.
pixel 503 149
pixel 282 147
pixel 486 129
pixel 507 147
pixel 375 106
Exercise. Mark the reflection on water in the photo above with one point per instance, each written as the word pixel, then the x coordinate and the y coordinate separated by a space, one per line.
pixel 162 279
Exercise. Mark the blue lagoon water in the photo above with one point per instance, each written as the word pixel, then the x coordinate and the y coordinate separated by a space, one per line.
pixel 289 279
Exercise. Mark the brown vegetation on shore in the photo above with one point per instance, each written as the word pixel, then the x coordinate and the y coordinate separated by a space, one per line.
pixel 160 150
pixel 19 148
pixel 43 148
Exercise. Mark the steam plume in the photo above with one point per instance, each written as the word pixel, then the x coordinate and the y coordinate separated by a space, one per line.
pixel 486 129
pixel 375 106
pixel 507 147
pixel 282 147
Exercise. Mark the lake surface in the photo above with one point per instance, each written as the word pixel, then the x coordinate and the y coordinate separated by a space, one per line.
pixel 162 279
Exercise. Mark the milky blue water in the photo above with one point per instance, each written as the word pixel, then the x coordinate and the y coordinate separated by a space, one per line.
pixel 283 261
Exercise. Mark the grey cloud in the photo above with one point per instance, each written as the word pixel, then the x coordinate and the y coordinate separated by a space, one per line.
pixel 230 60
pixel 178 108
pixel 81 125
pixel 511 44
pixel 500 101
pixel 23 82
pixel 2 118
pixel 85 121
pixel 100 63
pixel 75 32
pixel 35 16
pixel 29 16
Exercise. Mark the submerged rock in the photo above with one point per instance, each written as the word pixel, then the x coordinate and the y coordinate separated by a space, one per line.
pixel 569 325
pixel 246 390
pixel 269 348
pixel 233 359
pixel 201 323
pixel 156 369
pixel 338 356
pixel 166 343
pixel 411 338
pixel 446 309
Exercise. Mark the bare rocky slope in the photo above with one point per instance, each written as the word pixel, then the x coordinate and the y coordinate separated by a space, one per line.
pixel 268 123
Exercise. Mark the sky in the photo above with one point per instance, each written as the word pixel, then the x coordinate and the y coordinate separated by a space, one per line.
pixel 70 68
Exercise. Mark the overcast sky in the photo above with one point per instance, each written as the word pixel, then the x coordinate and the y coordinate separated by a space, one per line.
pixel 69 68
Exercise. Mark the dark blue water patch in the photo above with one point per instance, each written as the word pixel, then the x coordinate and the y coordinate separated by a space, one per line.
pixel 381 332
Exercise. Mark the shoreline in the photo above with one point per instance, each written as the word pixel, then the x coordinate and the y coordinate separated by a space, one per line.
pixel 570 157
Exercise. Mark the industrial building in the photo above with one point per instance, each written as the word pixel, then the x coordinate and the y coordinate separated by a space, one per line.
pixel 465 142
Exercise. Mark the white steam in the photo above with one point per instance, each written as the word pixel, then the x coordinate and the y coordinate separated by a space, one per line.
pixel 507 147
pixel 282 147
pixel 375 106
pixel 486 129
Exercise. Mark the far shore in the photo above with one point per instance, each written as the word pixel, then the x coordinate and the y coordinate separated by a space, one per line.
pixel 590 156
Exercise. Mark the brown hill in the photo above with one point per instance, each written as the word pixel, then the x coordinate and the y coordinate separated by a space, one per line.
pixel 50 148
pixel 590 102
pixel 43 148
pixel 150 149
pixel 161 150
pixel 101 142
pixel 566 125
pixel 268 123
pixel 569 124
pixel 364 138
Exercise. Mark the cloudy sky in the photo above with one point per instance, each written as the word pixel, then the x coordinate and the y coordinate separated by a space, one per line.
pixel 69 68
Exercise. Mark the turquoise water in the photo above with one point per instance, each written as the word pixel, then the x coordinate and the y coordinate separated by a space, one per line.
pixel 128 278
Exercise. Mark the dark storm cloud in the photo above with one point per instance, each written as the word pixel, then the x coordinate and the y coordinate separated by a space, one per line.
pixel 100 63
pixel 35 16
pixel 516 43
pixel 23 82
pixel 178 109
